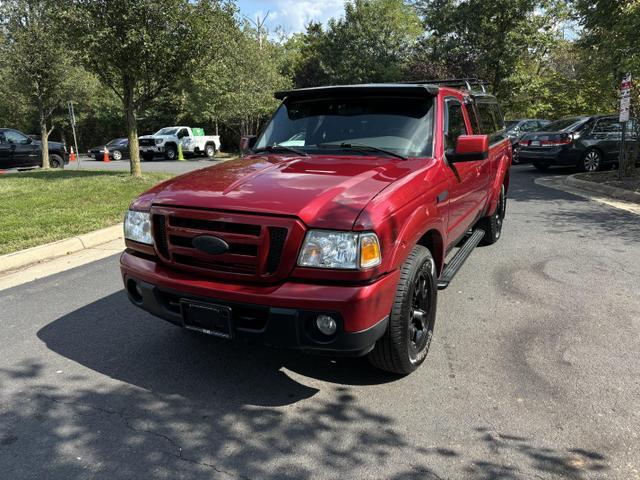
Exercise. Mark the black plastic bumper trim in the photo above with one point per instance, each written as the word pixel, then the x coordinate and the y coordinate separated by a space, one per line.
pixel 284 327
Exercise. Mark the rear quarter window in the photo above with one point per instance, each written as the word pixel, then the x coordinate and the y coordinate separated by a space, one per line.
pixel 491 120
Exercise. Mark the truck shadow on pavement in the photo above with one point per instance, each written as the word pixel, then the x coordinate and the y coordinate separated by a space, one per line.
pixel 170 404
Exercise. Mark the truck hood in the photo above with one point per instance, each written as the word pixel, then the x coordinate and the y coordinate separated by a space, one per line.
pixel 322 191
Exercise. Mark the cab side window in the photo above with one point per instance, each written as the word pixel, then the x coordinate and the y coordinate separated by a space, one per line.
pixel 16 138
pixel 182 133
pixel 455 124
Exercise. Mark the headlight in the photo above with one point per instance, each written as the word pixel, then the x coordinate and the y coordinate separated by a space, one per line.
pixel 343 250
pixel 137 227
pixel 158 141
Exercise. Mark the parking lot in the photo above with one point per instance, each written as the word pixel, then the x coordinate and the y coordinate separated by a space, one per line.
pixel 533 373
pixel 157 165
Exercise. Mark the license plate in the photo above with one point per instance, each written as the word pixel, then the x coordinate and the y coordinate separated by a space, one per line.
pixel 207 318
pixel 535 143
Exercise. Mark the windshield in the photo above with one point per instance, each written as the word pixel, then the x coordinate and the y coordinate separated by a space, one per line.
pixel 166 131
pixel 401 125
pixel 510 124
pixel 564 124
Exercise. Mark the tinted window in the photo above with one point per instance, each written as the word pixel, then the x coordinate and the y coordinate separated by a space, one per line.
pixel 403 125
pixel 510 124
pixel 167 131
pixel 565 124
pixel 16 137
pixel 607 125
pixel 2 139
pixel 488 120
pixel 455 124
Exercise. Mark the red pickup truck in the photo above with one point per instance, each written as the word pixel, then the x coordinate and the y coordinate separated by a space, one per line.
pixel 335 230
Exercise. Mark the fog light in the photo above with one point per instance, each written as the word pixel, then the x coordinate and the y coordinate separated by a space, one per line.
pixel 326 324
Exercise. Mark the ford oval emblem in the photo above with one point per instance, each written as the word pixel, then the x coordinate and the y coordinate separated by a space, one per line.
pixel 210 245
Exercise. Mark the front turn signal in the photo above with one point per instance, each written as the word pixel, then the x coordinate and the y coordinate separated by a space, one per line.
pixel 369 250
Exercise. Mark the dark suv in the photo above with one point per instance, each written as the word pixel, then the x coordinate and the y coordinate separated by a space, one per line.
pixel 17 150
pixel 588 142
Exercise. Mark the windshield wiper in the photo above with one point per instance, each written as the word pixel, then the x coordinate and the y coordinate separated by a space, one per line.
pixel 274 148
pixel 361 147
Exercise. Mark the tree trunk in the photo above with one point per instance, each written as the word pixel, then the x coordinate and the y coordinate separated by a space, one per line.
pixel 44 140
pixel 132 127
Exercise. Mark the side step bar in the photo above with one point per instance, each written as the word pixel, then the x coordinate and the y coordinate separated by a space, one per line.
pixel 459 258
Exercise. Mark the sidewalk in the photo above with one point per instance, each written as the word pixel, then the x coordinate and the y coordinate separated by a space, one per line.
pixel 38 262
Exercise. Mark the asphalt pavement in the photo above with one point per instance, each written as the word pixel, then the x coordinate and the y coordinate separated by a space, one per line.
pixel 533 373
pixel 157 165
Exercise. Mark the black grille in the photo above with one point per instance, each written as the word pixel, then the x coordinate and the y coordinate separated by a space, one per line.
pixel 146 142
pixel 234 248
pixel 160 236
pixel 214 226
pixel 277 237
pixel 217 266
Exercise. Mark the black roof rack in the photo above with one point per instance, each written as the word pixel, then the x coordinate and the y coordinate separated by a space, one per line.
pixel 467 83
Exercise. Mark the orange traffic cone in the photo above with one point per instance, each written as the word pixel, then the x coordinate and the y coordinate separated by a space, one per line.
pixel 72 155
pixel 105 157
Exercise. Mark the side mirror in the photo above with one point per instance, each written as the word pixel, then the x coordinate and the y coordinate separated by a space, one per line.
pixel 247 142
pixel 470 148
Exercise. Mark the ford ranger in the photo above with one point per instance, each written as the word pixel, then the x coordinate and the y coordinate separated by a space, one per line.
pixel 166 140
pixel 335 230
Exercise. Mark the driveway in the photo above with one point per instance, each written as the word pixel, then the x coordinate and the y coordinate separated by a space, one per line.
pixel 533 373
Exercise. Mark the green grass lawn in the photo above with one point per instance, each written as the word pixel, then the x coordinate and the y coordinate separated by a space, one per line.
pixel 43 206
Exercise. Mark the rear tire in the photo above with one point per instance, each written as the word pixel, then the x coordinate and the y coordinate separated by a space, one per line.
pixel 56 161
pixel 492 225
pixel 543 167
pixel 591 161
pixel 210 151
pixel 117 155
pixel 405 344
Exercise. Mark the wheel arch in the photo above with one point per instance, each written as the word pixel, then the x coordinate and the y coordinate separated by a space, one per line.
pixel 433 240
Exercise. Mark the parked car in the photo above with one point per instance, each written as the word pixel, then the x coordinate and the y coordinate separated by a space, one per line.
pixel 165 141
pixel 18 150
pixel 118 149
pixel 589 143
pixel 336 245
pixel 516 128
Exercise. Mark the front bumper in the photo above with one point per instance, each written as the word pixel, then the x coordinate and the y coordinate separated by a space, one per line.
pixel 280 315
pixel 152 149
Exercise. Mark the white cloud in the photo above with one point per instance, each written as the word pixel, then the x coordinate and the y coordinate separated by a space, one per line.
pixel 293 15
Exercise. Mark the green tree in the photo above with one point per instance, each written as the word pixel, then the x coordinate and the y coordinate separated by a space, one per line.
pixel 35 62
pixel 236 87
pixel 371 43
pixel 142 48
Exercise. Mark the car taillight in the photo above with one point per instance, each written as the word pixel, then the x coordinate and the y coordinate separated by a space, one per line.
pixel 556 142
pixel 524 143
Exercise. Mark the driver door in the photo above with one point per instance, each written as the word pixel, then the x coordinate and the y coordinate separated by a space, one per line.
pixel 25 152
pixel 465 182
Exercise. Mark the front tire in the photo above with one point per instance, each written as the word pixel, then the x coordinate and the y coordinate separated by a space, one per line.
pixel 117 155
pixel 56 161
pixel 171 153
pixel 405 344
pixel 492 225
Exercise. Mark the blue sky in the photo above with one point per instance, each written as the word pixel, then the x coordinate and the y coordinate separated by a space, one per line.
pixel 292 15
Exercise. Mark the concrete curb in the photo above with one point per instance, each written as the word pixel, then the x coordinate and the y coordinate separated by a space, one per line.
pixel 614 192
pixel 30 256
